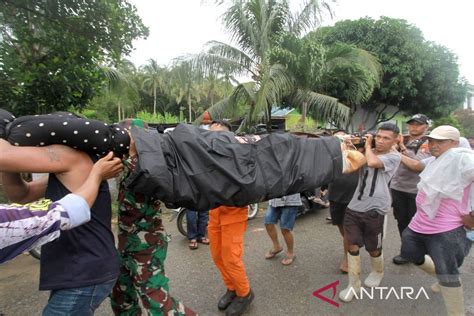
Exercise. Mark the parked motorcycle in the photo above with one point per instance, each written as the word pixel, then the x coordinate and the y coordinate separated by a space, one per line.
pixel 311 203
pixel 180 215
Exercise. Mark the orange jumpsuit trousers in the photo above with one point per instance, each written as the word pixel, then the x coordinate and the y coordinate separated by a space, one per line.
pixel 226 235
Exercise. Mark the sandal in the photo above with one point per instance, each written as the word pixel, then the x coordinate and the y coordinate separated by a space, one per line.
pixel 193 244
pixel 288 260
pixel 204 241
pixel 272 253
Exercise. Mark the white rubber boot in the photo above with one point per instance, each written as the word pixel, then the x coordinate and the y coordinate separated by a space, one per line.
pixel 376 275
pixel 453 300
pixel 429 267
pixel 347 294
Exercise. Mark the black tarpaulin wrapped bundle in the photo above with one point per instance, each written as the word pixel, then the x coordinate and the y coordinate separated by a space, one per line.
pixel 192 167
pixel 201 169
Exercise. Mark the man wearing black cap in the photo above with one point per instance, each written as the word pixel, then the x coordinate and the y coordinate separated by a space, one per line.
pixel 404 182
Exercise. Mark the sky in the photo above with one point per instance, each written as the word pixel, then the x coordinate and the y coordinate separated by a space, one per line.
pixel 180 27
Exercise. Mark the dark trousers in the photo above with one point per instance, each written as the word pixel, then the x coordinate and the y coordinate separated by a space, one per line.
pixel 404 208
pixel 447 250
pixel 197 224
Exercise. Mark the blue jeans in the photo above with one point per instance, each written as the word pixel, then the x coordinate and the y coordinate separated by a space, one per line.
pixel 447 250
pixel 197 224
pixel 81 301
pixel 286 215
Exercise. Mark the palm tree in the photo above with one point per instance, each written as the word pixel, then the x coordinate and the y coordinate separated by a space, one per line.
pixel 121 86
pixel 183 83
pixel 340 70
pixel 256 26
pixel 153 79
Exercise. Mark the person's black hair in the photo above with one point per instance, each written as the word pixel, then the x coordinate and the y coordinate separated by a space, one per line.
pixel 390 127
pixel 222 123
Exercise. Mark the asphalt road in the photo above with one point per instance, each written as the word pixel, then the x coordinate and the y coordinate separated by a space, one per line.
pixel 279 290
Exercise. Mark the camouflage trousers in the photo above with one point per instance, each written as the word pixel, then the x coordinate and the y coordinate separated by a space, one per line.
pixel 142 287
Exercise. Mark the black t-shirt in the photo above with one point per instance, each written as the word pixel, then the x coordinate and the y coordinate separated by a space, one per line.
pixel 82 256
pixel 342 188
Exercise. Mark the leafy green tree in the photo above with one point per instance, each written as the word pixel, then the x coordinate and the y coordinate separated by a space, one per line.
pixel 441 90
pixel 418 76
pixel 51 51
pixel 448 120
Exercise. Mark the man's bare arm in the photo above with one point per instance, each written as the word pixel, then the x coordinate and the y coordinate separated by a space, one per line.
pixel 468 221
pixel 50 159
pixel 412 164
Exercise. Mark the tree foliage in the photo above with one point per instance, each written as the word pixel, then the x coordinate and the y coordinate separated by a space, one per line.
pixel 344 72
pixel 448 120
pixel 52 51
pixel 256 28
pixel 154 77
pixel 418 76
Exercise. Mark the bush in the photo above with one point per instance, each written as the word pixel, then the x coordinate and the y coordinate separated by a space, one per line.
pixel 158 118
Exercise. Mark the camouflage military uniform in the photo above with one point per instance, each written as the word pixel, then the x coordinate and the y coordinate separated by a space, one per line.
pixel 142 287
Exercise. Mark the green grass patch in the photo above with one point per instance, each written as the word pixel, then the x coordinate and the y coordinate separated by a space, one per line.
pixel 293 123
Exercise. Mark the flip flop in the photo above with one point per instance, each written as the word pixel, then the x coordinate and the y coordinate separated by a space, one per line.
pixel 288 260
pixel 204 241
pixel 193 244
pixel 272 253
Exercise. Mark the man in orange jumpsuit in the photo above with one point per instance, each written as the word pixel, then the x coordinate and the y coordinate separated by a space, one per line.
pixel 227 225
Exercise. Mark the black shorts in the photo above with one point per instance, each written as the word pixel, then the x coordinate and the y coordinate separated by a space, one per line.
pixel 337 211
pixel 364 229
